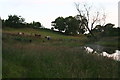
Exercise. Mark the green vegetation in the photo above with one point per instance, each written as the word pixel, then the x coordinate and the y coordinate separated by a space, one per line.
pixel 16 21
pixel 44 32
pixel 61 57
pixel 70 25
pixel 32 51
pixel 110 42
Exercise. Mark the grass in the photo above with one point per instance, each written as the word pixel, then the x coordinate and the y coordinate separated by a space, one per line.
pixel 110 42
pixel 53 59
pixel 54 35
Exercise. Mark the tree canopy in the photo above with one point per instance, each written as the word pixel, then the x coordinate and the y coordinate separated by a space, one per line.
pixel 106 30
pixel 59 24
pixel 69 25
pixel 19 22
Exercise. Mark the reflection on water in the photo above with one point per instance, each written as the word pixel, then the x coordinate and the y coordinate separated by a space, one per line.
pixel 104 51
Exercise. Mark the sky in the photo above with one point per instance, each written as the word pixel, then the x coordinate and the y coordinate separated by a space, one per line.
pixel 46 11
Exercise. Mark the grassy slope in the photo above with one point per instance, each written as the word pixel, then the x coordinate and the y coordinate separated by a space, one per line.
pixel 53 59
pixel 55 35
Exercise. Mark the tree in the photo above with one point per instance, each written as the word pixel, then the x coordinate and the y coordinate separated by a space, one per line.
pixel 72 25
pixel 36 24
pixel 81 28
pixel 14 21
pixel 108 26
pixel 68 25
pixel 98 28
pixel 106 30
pixel 59 24
pixel 85 17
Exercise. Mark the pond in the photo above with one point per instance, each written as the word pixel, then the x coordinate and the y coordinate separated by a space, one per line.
pixel 110 52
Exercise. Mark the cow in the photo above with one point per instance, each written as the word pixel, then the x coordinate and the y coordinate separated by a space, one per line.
pixel 37 35
pixel 20 33
pixel 48 37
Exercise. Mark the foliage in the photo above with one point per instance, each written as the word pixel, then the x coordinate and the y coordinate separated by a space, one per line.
pixel 19 22
pixel 69 25
pixel 14 21
pixel 59 24
pixel 89 19
pixel 72 25
pixel 35 24
pixel 107 30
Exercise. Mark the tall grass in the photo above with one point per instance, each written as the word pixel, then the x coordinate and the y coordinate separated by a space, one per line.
pixel 53 59
pixel 110 42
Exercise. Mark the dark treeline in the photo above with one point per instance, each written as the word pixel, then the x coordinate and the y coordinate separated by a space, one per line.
pixel 19 22
pixel 107 30
pixel 74 26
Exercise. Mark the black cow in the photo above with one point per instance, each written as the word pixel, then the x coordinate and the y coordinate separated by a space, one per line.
pixel 48 37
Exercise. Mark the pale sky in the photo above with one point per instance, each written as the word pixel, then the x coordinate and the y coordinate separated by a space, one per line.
pixel 46 11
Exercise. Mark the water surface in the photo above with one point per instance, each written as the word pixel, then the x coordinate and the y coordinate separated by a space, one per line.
pixel 110 52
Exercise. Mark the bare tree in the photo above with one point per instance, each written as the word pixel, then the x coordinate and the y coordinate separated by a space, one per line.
pixel 86 18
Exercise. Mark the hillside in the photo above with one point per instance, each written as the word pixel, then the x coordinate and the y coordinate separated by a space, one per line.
pixel 60 57
pixel 42 32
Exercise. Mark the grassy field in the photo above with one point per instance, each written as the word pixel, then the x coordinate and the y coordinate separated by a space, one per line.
pixel 60 57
